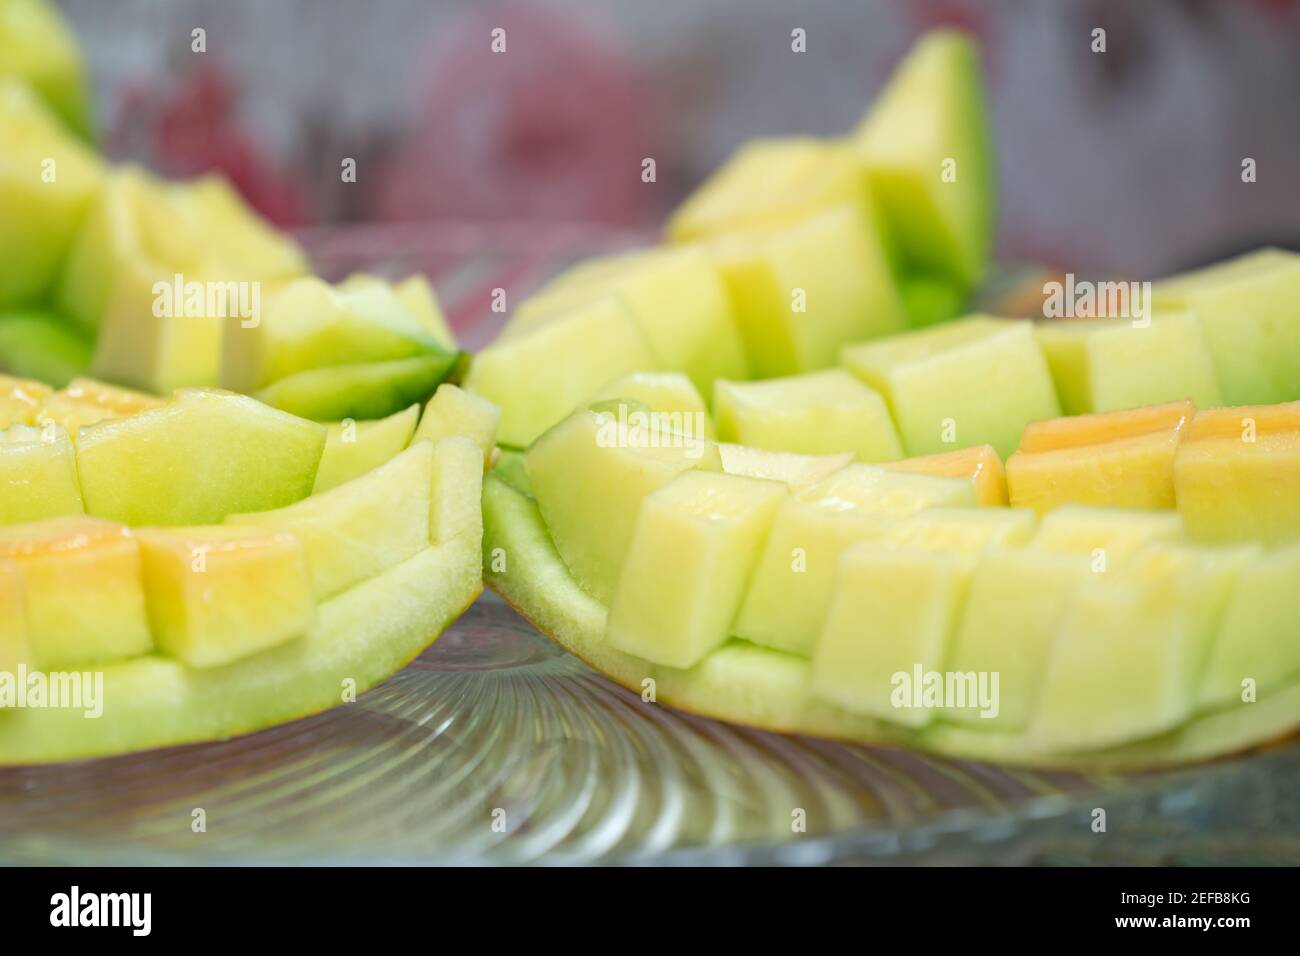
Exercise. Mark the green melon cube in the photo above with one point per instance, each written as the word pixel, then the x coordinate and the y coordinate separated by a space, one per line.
pixel 814 413
pixel 795 471
pixel 353 448
pixel 546 373
pixel 692 551
pixel 38 474
pixel 895 604
pixel 804 291
pixel 589 481
pixel 1132 648
pixel 197 459
pixel 669 393
pixel 1103 365
pixel 978 380
pixel 217 594
pixel 454 411
pixel 1257 638
pixel 1249 308
pixel 791 588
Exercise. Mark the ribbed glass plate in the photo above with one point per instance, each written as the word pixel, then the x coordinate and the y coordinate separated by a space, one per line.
pixel 497 747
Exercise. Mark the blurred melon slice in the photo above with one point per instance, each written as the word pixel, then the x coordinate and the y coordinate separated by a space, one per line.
pixel 15 649
pixel 1110 536
pixel 38 47
pixel 38 474
pixel 353 448
pixel 979 464
pixel 931 299
pixel 40 345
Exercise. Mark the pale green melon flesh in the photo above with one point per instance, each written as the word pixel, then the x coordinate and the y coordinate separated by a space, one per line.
pixel 15 648
pixel 38 47
pixel 353 448
pixel 931 299
pixel 454 411
pixel 796 471
pixel 39 345
pixel 38 474
pixel 666 393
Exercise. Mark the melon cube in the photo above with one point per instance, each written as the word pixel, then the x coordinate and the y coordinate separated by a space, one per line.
pixel 803 292
pixel 366 390
pixel 1109 536
pixel 795 471
pixel 1115 459
pixel 668 393
pixel 1237 474
pixel 20 400
pixel 38 474
pixel 85 401
pixel 589 484
pixel 216 594
pixel 81 583
pixel 1257 637
pixel 692 551
pixel 1102 365
pixel 791 588
pixel 814 413
pixel 198 458
pixel 1132 648
pixel 362 527
pixel 543 375
pixel 1249 308
pixel 353 448
pixel 975 381
pixel 15 649
pixel 453 411
pixel 895 604
pixel 979 464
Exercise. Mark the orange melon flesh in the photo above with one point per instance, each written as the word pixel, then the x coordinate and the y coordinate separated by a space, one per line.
pixel 20 399
pixel 1116 459
pixel 82 584
pixel 85 401
pixel 1237 474
pixel 15 651
pixel 979 464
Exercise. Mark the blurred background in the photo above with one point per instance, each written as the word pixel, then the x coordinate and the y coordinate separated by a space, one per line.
pixel 1127 161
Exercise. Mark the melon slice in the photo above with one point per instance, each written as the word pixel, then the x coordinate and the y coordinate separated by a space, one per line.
pixel 1256 649
pixel 1102 365
pixel 979 464
pixel 542 376
pixel 590 485
pixel 15 649
pixel 975 381
pixel 353 448
pixel 417 294
pixel 1110 536
pixel 41 345
pixel 1132 648
pixel 216 594
pixel 928 150
pixel 363 391
pixel 791 588
pixel 48 180
pixel 453 411
pixel 894 607
pixel 38 47
pixel 81 578
pixel 668 393
pixel 362 527
pixel 198 458
pixel 1248 309
pixel 1237 474
pixel 803 292
pixel 20 400
pixel 689 560
pixel 674 294
pixel 1116 459
pixel 85 401
pixel 38 474
pixel 796 471
pixel 815 413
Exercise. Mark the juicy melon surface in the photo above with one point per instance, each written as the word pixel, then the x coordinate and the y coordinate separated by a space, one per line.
pixel 38 474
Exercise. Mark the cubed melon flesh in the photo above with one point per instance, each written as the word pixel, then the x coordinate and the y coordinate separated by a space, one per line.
pixel 692 551
pixel 815 413
pixel 895 604
pixel 1237 474
pixel 201 456
pixel 454 411
pixel 1132 648
pixel 48 179
pixel 38 474
pixel 542 376
pixel 1102 365
pixel 668 393
pixel 975 381
pixel 590 485
pixel 39 47
pixel 927 146
pixel 1112 459
pixel 15 648
pixel 802 292
pixel 216 594
pixel 20 400
pixel 36 343
pixel 85 401
pixel 676 297
pixel 1109 536
pixel 1256 655
pixel 362 527
pixel 81 582
pixel 979 464
pixel 791 588
pixel 796 471
pixel 1249 308
pixel 366 390
pixel 353 448
pixel 1014 607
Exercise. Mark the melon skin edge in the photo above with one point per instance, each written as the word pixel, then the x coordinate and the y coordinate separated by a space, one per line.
pixel 769 689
